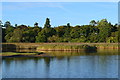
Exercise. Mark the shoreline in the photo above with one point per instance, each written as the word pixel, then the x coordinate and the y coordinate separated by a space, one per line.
pixel 34 46
pixel 15 54
pixel 24 56
pixel 13 47
pixel 37 49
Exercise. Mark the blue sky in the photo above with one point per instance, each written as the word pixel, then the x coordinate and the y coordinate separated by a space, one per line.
pixel 60 13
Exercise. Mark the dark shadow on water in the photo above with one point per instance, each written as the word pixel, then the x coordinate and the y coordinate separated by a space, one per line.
pixel 90 49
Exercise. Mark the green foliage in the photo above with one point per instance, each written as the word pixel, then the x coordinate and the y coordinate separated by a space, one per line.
pixel 75 33
pixel 55 38
pixel 3 35
pixel 112 39
pixel 68 25
pixel 93 37
pixel 119 33
pixel 47 23
pixel 7 24
pixel 105 30
pixel 8 36
pixel 95 32
pixel 93 22
pixel 75 40
pixel 66 35
pixel 16 36
pixel 60 30
pixel 15 25
pixel 41 38
pixel 9 29
pixel 44 34
pixel 36 24
pixel 28 36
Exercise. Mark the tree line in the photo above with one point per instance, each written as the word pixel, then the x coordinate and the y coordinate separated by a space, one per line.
pixel 95 32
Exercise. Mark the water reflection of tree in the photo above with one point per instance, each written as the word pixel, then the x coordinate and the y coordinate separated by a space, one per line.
pixel 103 64
pixel 8 61
pixel 6 65
pixel 36 62
pixel 47 61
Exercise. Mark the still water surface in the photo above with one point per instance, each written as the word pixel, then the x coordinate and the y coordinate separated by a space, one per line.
pixel 63 65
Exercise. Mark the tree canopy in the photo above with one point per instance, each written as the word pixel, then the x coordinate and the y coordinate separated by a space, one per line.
pixel 95 32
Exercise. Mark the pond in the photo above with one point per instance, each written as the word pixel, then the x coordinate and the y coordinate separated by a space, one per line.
pixel 103 64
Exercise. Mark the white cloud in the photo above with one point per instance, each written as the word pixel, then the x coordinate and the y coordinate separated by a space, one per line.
pixel 31 4
pixel 28 5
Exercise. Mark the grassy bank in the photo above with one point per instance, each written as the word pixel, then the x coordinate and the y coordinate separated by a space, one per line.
pixel 64 47
pixel 12 47
pixel 18 54
pixel 14 53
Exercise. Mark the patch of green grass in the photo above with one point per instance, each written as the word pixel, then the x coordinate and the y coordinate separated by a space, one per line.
pixel 13 53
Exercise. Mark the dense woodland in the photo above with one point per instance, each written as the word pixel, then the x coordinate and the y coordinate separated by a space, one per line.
pixel 95 32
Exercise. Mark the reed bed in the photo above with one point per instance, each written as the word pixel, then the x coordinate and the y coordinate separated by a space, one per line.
pixel 64 47
pixel 10 47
